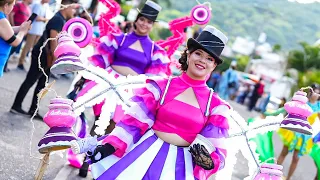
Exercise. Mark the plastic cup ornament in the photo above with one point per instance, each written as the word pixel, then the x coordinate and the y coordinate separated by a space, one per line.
pixel 67 53
pixel 298 112
pixel 269 171
pixel 60 118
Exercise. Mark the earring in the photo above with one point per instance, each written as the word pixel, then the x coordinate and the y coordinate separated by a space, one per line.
pixel 187 61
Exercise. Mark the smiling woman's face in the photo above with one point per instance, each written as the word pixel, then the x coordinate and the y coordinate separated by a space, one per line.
pixel 143 26
pixel 200 64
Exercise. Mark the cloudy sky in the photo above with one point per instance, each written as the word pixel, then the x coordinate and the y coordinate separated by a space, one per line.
pixel 304 1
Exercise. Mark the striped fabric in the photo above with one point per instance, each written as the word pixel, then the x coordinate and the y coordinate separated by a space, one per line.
pixel 149 159
pixel 137 120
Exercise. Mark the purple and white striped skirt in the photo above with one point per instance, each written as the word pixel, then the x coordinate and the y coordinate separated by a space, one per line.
pixel 149 159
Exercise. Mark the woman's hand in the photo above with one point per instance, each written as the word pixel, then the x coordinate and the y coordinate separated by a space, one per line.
pixel 201 157
pixel 101 152
pixel 25 27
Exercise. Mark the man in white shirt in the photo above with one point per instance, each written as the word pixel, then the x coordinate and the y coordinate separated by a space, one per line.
pixel 36 30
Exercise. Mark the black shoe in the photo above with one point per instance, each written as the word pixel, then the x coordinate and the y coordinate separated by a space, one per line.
pixel 21 67
pixel 18 110
pixel 83 171
pixel 37 116
pixel 6 70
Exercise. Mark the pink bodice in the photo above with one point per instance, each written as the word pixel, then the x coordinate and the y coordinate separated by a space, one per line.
pixel 178 117
pixel 186 121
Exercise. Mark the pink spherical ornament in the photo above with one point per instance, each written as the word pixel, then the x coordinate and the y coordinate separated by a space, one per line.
pixel 298 112
pixel 80 30
pixel 269 171
pixel 200 14
pixel 60 118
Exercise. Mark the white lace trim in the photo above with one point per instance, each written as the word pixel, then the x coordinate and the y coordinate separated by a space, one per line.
pixel 205 142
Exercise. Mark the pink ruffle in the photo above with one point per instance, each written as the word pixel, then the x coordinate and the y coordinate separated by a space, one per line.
pixel 202 174
pixel 219 121
pixel 98 61
pixel 117 143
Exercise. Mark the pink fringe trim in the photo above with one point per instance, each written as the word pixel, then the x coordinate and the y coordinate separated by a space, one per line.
pixel 219 121
pixel 117 143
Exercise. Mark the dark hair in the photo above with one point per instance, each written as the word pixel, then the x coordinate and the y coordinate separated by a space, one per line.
pixel 184 57
pixel 315 86
pixel 3 2
pixel 66 2
pixel 93 5
pixel 127 27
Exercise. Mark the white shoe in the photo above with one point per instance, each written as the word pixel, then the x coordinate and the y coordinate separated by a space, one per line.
pixel 15 55
pixel 84 145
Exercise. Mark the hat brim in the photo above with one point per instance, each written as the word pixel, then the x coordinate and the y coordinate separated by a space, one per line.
pixel 192 43
pixel 141 14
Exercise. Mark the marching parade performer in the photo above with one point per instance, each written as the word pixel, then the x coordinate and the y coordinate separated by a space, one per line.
pixel 156 139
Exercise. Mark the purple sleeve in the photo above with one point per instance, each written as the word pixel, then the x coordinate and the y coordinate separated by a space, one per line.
pixel 106 49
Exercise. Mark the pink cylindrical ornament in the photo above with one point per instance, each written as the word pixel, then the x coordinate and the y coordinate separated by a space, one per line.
pixel 298 112
pixel 60 118
pixel 67 53
pixel 269 171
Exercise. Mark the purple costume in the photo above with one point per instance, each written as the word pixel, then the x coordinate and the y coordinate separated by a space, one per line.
pixel 115 50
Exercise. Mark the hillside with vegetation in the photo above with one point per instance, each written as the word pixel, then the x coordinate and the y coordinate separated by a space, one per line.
pixel 285 23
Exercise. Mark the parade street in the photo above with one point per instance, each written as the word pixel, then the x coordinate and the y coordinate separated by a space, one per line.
pixel 19 162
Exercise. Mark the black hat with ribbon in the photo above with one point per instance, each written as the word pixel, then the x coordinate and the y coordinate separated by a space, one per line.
pixel 211 40
pixel 150 10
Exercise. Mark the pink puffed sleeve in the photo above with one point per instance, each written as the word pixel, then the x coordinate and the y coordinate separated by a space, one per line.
pixel 137 120
pixel 105 50
pixel 159 63
pixel 213 137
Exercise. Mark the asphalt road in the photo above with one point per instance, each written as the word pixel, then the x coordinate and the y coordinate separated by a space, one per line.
pixel 19 162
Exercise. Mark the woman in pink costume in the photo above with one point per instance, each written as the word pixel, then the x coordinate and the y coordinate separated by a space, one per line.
pixel 175 127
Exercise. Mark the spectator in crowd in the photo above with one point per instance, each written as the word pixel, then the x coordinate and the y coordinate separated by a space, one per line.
pixel 213 81
pixel 256 94
pixel 262 107
pixel 35 32
pixel 244 91
pixel 53 27
pixel 7 32
pixel 229 83
pixel 20 13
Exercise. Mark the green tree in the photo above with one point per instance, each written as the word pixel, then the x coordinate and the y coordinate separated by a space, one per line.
pixel 276 48
pixel 307 62
pixel 305 59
